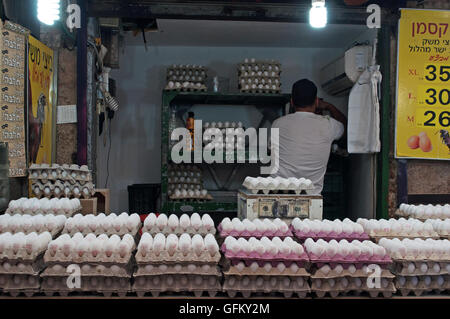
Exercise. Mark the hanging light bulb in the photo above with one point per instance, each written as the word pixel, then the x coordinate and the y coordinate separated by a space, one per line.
pixel 48 11
pixel 318 14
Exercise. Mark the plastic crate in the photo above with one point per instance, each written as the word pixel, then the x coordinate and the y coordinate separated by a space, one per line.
pixel 143 198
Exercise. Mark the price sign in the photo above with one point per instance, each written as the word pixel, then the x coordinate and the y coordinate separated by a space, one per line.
pixel 423 85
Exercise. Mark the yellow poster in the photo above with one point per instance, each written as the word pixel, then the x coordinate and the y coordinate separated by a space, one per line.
pixel 40 106
pixel 423 85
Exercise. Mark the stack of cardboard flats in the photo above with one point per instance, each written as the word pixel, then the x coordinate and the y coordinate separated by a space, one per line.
pixel 186 78
pixel 173 225
pixel 343 268
pixel 61 180
pixel 27 224
pixel 174 263
pixel 420 266
pixel 44 206
pixel 21 262
pixel 259 76
pixel 265 266
pixel 94 264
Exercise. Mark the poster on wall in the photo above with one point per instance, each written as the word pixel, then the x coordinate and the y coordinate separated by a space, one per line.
pixel 423 85
pixel 40 105
pixel 12 107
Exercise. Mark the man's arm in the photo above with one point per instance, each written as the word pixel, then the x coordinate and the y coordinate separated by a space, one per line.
pixel 334 112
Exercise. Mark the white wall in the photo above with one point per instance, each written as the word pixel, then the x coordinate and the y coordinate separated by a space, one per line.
pixel 136 138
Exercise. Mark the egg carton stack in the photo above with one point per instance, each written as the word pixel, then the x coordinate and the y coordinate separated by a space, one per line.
pixel 173 225
pixel 259 76
pixel 112 224
pixel 61 180
pixel 104 264
pixel 21 262
pixel 420 266
pixel 256 228
pixel 327 229
pixel 185 182
pixel 397 228
pixel 264 266
pixel 27 224
pixel 424 212
pixel 186 78
pixel 228 136
pixel 44 206
pixel 270 185
pixel 177 264
pixel 343 268
pixel 442 227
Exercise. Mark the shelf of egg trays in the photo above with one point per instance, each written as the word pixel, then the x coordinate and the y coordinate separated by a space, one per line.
pixel 44 206
pixel 174 264
pixel 21 261
pixel 256 228
pixel 264 266
pixel 420 266
pixel 342 268
pixel 259 76
pixel 173 225
pixel 61 181
pixel 277 185
pixel 185 183
pixel 106 264
pixel 441 227
pixel 397 228
pixel 424 212
pixel 27 224
pixel 188 78
pixel 327 229
pixel 109 225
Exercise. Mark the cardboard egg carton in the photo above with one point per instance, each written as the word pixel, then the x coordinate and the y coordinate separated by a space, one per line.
pixel 98 231
pixel 177 269
pixel 74 258
pixel 197 284
pixel 18 282
pixel 346 260
pixel 424 267
pixel 406 285
pixel 154 229
pixel 277 187
pixel 65 189
pixel 261 271
pixel 376 238
pixel 185 87
pixel 53 232
pixel 22 267
pixel 347 272
pixel 194 198
pixel 107 286
pixel 177 257
pixel 68 213
pixel 247 285
pixel 302 236
pixel 257 234
pixel 91 270
pixel 72 173
pixel 21 255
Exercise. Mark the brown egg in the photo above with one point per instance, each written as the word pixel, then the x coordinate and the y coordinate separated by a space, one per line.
pixel 425 142
pixel 413 142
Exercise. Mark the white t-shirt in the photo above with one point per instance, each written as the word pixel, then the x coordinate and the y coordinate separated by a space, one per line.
pixel 304 145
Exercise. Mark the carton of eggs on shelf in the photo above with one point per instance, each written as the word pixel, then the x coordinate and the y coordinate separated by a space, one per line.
pixel 264 250
pixel 24 247
pixel 270 184
pixel 173 248
pixel 256 228
pixel 355 252
pixel 417 249
pixel 259 76
pixel 327 229
pixel 442 227
pixel 397 228
pixel 63 189
pixel 90 249
pixel 34 206
pixel 424 212
pixel 195 224
pixel 32 223
pixel 190 194
pixel 186 78
pixel 73 173
pixel 103 224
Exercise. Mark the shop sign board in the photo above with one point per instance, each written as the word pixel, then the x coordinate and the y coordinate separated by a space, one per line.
pixel 423 85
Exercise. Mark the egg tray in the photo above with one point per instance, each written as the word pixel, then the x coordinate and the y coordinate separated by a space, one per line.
pixel 249 285
pixel 267 191
pixel 36 172
pixel 95 270
pixel 55 232
pixel 14 282
pixel 21 255
pixel 17 292
pixel 109 232
pixel 401 268
pixel 177 257
pixel 62 192
pixel 352 288
pixel 259 63
pixel 359 273
pixel 22 268
pixel 257 234
pixel 184 182
pixel 107 286
pixel 42 179
pixel 73 258
pixel 192 198
pixel 34 213
pixel 198 284
pixel 302 236
pixel 260 271
pixel 376 239
pixel 153 230
pixel 177 269
pixel 422 287
pixel 189 89
pixel 358 262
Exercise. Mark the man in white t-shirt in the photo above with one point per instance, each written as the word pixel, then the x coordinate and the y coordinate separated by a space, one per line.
pixel 305 137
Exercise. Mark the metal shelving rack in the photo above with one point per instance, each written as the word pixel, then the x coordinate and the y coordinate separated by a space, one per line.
pixel 270 105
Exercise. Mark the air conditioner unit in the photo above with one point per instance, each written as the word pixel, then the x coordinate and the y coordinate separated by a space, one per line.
pixel 338 77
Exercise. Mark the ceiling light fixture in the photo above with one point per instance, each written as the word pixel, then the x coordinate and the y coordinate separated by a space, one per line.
pixel 318 14
pixel 48 11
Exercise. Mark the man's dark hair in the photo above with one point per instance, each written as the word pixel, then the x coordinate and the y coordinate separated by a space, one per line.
pixel 304 93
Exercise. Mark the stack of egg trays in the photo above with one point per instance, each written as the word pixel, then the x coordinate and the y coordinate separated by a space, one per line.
pixel 162 273
pixel 154 229
pixel 106 275
pixel 247 274
pixel 22 273
pixel 257 234
pixel 34 213
pixel 188 78
pixel 348 276
pixel 62 189
pixel 302 236
pixel 21 229
pixel 259 76
pixel 421 276
pixel 257 189
pixel 178 176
